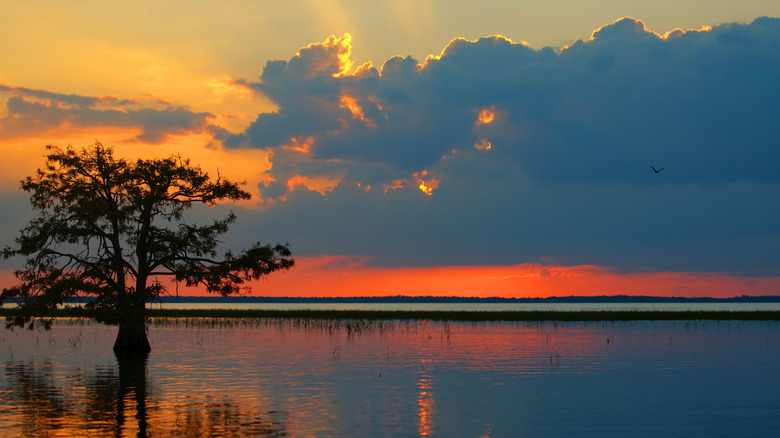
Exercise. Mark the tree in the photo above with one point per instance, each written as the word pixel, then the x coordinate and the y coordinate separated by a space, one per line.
pixel 111 229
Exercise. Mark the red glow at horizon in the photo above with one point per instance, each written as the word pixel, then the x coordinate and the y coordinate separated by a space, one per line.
pixel 342 276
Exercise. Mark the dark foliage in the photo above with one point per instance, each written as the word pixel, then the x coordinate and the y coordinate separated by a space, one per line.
pixel 111 229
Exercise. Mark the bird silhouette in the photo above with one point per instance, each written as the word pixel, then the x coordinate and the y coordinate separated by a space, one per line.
pixel 657 170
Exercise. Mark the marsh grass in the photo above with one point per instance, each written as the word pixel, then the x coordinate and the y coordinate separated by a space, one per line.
pixel 350 326
pixel 381 321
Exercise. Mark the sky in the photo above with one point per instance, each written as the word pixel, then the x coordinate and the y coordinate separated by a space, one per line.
pixel 491 148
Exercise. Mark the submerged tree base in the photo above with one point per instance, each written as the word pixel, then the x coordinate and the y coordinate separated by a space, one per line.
pixel 131 337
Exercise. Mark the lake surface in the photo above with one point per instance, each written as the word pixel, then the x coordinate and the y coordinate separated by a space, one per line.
pixel 330 378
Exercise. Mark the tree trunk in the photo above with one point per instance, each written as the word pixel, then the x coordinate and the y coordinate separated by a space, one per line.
pixel 131 337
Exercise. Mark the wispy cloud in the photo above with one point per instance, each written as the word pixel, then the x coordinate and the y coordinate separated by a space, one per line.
pixel 30 111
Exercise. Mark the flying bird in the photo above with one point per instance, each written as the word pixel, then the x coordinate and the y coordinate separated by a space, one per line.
pixel 657 170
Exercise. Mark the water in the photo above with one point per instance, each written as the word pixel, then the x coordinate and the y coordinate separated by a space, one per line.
pixel 291 378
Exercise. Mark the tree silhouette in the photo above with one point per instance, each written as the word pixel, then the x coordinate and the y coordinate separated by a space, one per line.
pixel 111 229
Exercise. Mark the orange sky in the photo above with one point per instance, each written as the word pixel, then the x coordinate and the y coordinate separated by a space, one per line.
pixel 339 276
pixel 198 84
pixel 316 277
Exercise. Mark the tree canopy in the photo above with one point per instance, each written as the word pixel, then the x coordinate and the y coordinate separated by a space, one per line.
pixel 113 229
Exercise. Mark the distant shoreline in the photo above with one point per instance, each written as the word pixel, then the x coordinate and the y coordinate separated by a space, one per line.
pixel 535 315
pixel 471 315
pixel 441 315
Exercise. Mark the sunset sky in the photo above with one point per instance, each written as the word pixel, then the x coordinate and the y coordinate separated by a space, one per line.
pixel 491 148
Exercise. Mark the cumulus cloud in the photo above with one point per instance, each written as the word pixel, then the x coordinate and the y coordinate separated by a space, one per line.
pixel 496 152
pixel 598 110
pixel 33 111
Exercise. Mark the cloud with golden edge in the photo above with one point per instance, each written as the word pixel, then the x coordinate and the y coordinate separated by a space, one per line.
pixel 328 58
pixel 393 186
pixel 351 103
pixel 483 145
pixel 486 116
pixel 319 184
pixel 628 28
pixel 460 44
pixel 427 183
pixel 299 145
pixel 625 27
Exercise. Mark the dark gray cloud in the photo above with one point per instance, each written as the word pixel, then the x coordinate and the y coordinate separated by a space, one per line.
pixel 589 112
pixel 571 134
pixel 34 111
pixel 505 220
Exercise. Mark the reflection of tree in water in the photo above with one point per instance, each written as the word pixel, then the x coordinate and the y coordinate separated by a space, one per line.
pixel 224 418
pixel 112 401
pixel 46 402
pixel 100 398
pixel 40 403
pixel 132 390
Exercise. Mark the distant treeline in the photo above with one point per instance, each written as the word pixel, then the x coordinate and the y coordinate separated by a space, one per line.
pixel 453 299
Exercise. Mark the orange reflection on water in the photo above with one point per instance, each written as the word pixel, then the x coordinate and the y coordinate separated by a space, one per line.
pixel 425 399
